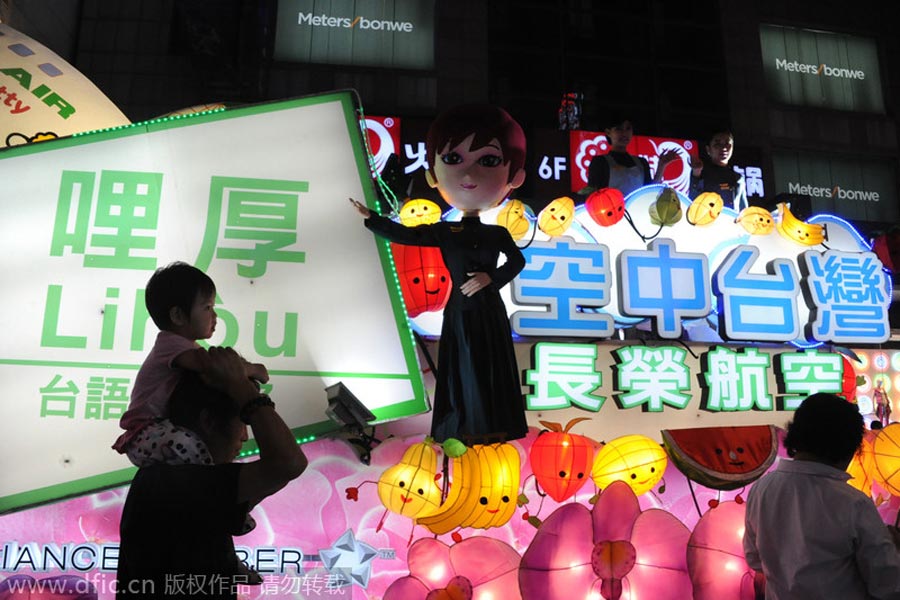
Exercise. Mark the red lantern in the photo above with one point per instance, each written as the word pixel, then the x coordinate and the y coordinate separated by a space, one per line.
pixel 561 461
pixel 424 278
pixel 606 206
pixel 848 384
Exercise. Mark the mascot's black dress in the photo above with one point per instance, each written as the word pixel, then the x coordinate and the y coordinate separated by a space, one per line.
pixel 478 393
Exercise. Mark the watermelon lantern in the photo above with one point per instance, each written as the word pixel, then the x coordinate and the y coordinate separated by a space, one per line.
pixel 424 278
pixel 561 461
pixel 606 206
pixel 722 458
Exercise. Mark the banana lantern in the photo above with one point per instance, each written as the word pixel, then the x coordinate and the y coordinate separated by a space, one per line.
pixel 792 228
pixel 484 490
pixel 409 487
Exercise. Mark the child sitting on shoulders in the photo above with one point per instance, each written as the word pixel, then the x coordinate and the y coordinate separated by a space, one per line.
pixel 180 299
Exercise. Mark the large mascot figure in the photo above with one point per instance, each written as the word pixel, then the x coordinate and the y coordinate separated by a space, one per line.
pixel 476 155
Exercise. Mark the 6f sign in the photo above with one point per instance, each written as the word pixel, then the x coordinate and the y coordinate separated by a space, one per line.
pixel 552 169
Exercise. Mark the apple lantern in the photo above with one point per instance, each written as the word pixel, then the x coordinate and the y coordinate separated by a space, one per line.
pixel 561 461
pixel 424 278
pixel 606 206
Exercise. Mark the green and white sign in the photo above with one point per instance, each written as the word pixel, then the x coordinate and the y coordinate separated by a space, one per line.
pixel 851 188
pixel 807 67
pixel 374 33
pixel 256 197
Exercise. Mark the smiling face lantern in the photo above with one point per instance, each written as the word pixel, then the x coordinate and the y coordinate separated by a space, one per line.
pixel 409 487
pixel 606 206
pixel 484 490
pixel 635 459
pixel 420 212
pixel 424 278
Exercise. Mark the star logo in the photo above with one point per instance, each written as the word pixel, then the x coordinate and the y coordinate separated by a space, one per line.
pixel 349 559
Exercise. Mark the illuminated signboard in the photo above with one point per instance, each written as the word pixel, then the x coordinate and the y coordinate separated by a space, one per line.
pixel 256 197
pixel 861 190
pixel 660 378
pixel 42 96
pixel 383 33
pixel 822 69
pixel 753 276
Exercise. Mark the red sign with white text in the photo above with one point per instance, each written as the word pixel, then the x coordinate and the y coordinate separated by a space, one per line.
pixel 585 145
pixel 383 139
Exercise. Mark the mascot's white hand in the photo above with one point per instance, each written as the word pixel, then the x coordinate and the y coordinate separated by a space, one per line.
pixel 477 282
pixel 361 208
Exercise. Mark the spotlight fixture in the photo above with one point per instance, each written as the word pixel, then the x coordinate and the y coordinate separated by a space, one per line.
pixel 346 410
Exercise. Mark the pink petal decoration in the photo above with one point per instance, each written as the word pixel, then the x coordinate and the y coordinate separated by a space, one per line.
pixel 614 513
pixel 490 565
pixel 715 555
pixel 661 570
pixel 558 561
pixel 406 588
pixel 559 557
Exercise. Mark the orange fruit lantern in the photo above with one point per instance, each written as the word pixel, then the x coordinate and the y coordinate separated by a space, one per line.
pixel 561 461
pixel 633 459
pixel 606 206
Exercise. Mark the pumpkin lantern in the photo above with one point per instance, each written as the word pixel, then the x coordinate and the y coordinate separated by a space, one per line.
pixel 409 487
pixel 483 493
pixel 561 461
pixel 606 206
pixel 424 278
pixel 634 459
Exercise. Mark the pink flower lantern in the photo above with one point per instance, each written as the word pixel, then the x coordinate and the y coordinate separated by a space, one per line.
pixel 477 568
pixel 612 551
pixel 715 555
